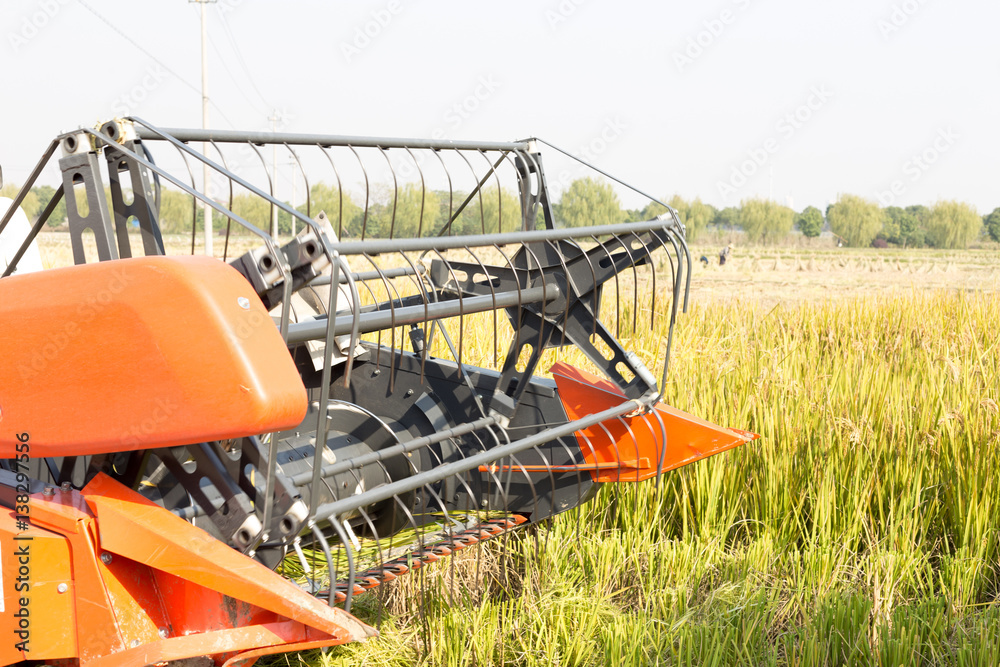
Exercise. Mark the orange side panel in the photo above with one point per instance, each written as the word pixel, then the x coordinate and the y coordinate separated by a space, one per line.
pixel 631 449
pixel 135 528
pixel 116 581
pixel 133 353
pixel 36 562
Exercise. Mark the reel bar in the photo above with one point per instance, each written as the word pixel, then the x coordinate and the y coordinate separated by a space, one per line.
pixel 378 320
pixel 146 131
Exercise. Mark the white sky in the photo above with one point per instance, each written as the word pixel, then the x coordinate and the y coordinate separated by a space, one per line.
pixel 888 81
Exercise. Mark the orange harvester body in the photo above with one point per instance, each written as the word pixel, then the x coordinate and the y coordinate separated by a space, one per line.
pixel 124 355
pixel 175 429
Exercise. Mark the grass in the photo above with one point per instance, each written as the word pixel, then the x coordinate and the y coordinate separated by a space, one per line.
pixel 861 529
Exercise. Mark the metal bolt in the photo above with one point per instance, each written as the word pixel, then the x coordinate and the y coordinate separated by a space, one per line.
pixel 48 491
pixel 243 302
pixel 66 487
pixel 135 642
pixel 106 558
pixel 376 372
pixel 62 588
pixel 163 633
pixel 409 392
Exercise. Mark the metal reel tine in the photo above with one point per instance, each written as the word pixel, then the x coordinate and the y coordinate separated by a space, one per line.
pixel 340 191
pixel 361 163
pixel 194 201
pixel 423 193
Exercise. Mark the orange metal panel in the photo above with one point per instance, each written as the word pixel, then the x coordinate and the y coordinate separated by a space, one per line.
pixel 635 445
pixel 153 350
pixel 117 609
pixel 48 618
pixel 134 527
pixel 224 642
pixel 96 628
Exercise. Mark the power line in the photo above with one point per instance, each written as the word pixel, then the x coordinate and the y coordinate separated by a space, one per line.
pixel 152 57
pixel 242 62
pixel 232 77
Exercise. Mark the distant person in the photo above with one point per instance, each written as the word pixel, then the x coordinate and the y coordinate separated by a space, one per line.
pixel 724 254
pixel 704 260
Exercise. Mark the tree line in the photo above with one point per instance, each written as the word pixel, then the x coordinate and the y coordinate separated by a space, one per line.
pixel 409 210
pixel 856 221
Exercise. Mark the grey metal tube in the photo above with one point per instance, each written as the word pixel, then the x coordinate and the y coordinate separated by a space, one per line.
pixel 457 467
pixel 240 136
pixel 376 246
pixel 383 319
pixel 362 276
pixel 402 448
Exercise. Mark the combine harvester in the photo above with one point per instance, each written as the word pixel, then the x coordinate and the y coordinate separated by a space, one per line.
pixel 159 415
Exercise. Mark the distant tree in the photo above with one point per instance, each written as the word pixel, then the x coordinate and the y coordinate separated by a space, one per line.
pixel 699 216
pixel 890 230
pixel 992 224
pixel 810 222
pixel 45 194
pixel 403 212
pixel 694 215
pixel 765 221
pixel 634 215
pixel 588 202
pixel 250 207
pixel 340 209
pixel 491 211
pixel 921 213
pixel 902 228
pixel 29 204
pixel 855 219
pixel 728 217
pixel 953 224
pixel 654 209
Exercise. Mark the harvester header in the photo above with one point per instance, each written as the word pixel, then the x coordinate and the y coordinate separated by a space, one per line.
pixel 362 384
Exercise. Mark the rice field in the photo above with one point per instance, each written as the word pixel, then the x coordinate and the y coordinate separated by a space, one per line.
pixel 862 528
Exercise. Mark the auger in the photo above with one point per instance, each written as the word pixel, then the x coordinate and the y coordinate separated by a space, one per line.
pixel 176 427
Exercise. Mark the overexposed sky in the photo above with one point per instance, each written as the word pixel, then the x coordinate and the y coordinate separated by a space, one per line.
pixel 724 100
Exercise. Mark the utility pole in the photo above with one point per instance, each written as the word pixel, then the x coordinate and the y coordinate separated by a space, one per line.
pixel 274 118
pixel 206 175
